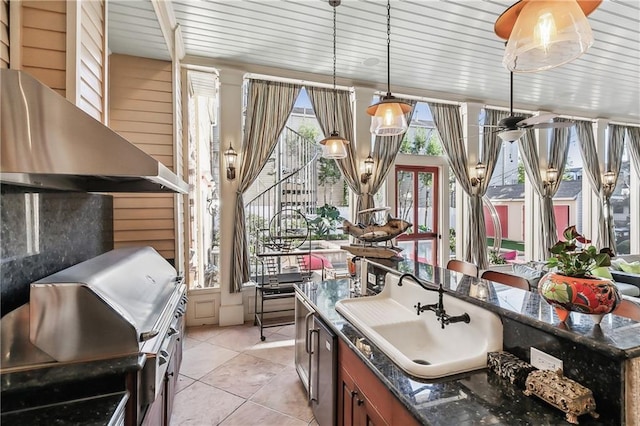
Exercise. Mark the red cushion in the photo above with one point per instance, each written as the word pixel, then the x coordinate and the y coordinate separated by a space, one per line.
pixel 510 255
pixel 317 262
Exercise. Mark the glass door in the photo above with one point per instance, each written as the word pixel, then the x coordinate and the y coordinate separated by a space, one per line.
pixel 417 202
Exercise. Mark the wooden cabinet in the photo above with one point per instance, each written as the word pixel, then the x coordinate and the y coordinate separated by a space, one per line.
pixel 362 398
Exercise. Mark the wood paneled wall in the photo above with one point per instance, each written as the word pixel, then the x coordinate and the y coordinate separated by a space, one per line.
pixel 141 110
pixel 43 41
pixel 4 34
pixel 91 55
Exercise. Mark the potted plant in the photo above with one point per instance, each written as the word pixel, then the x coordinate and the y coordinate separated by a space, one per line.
pixel 571 285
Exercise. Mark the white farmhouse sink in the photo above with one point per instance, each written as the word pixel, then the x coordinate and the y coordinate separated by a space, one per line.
pixel 417 343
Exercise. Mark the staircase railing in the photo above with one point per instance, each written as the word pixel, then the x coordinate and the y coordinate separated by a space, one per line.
pixel 276 217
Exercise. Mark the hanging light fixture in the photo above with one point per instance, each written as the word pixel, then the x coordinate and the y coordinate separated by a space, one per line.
pixel 388 115
pixel 334 145
pixel 544 34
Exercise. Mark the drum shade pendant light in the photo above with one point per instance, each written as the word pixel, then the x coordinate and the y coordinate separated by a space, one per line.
pixel 544 34
pixel 388 115
pixel 334 145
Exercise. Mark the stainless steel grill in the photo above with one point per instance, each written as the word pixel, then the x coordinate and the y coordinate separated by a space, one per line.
pixel 106 306
pixel 127 301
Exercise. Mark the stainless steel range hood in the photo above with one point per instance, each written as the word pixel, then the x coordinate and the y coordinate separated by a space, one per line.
pixel 47 142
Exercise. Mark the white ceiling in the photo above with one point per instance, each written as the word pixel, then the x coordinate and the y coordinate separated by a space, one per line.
pixel 439 48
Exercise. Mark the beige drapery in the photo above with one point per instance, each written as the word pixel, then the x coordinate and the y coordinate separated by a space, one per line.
pixel 633 135
pixel 557 159
pixel 383 154
pixel 448 123
pixel 324 101
pixel 269 105
pixel 591 167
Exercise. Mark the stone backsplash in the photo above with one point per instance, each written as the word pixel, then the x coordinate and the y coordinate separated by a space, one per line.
pixel 45 232
pixel 602 374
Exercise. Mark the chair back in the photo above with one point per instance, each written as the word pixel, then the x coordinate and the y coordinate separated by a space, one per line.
pixel 463 267
pixel 628 309
pixel 506 279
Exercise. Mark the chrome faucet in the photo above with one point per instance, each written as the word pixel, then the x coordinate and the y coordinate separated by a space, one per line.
pixel 437 308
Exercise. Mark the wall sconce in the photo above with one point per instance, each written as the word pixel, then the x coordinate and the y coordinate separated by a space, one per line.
pixel 231 156
pixel 609 180
pixel 368 170
pixel 481 170
pixel 552 176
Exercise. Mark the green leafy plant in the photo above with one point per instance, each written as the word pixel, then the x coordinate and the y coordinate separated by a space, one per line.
pixel 577 262
pixel 326 222
pixel 495 258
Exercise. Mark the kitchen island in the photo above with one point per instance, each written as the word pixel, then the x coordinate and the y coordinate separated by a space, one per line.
pixel 604 353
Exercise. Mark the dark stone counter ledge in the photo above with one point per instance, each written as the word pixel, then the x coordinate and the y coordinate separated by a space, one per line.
pixel 477 397
pixel 61 373
pixel 59 383
pixel 616 337
pixel 94 411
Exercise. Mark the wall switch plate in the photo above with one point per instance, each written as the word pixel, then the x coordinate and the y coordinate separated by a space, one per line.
pixel 544 361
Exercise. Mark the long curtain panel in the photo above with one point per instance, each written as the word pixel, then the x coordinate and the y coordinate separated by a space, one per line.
pixel 324 102
pixel 613 155
pixel 591 167
pixel 448 122
pixel 269 104
pixel 633 135
pixel 557 159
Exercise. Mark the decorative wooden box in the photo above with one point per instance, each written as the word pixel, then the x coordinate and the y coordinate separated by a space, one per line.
pixel 510 367
pixel 561 392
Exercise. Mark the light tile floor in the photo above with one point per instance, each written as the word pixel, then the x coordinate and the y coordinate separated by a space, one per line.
pixel 229 377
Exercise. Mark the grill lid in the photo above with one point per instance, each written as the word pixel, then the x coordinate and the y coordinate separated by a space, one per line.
pixel 104 306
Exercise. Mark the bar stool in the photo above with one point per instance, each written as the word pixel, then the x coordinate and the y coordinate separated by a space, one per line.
pixel 506 279
pixel 463 267
pixel 628 309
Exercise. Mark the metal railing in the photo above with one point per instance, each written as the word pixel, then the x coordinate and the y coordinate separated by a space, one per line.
pixel 277 217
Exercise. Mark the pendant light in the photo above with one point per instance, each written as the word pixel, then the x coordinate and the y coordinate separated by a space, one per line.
pixel 544 34
pixel 334 146
pixel 388 115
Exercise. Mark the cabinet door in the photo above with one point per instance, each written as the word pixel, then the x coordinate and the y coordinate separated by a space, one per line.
pixel 367 413
pixel 346 399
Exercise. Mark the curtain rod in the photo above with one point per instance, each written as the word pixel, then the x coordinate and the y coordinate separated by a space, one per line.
pixel 414 97
pixel 254 76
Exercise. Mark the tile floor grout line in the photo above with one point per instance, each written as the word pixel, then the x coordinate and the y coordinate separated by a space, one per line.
pixel 282 334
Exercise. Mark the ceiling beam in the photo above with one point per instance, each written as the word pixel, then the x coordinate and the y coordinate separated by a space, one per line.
pixel 170 28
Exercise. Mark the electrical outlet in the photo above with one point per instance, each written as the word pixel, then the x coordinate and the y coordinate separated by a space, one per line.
pixel 544 361
pixel 371 278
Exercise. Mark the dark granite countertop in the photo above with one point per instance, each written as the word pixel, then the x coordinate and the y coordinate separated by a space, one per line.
pixel 87 393
pixel 473 398
pixel 615 336
pixel 100 410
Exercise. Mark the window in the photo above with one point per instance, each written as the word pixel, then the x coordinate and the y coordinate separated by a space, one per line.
pixel 204 181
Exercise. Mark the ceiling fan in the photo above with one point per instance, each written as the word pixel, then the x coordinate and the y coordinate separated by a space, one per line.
pixel 512 128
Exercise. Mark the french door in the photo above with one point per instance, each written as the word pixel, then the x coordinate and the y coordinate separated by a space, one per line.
pixel 417 202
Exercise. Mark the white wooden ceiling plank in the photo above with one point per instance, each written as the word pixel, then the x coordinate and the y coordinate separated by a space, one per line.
pixel 398 54
pixel 438 46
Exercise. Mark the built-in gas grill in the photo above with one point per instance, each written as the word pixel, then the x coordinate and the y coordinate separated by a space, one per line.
pixel 125 302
